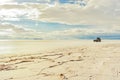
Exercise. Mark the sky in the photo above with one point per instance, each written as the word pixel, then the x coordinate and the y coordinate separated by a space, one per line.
pixel 59 19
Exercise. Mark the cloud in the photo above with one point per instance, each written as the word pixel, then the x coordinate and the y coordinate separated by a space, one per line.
pixel 13 31
pixel 5 1
pixel 84 32
pixel 33 1
pixel 102 12
pixel 79 33
pixel 15 11
pixel 14 28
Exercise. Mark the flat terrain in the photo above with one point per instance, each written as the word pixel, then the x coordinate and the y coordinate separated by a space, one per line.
pixel 65 60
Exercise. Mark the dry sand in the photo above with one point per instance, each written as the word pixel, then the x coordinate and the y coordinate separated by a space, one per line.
pixel 88 61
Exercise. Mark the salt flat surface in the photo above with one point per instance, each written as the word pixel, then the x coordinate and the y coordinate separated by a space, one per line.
pixel 64 60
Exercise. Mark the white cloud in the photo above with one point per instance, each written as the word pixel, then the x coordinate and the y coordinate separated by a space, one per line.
pixel 13 29
pixel 17 11
pixel 82 32
pixel 102 12
pixel 16 32
pixel 5 1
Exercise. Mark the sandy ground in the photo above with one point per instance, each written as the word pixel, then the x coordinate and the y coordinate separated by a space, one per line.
pixel 88 61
